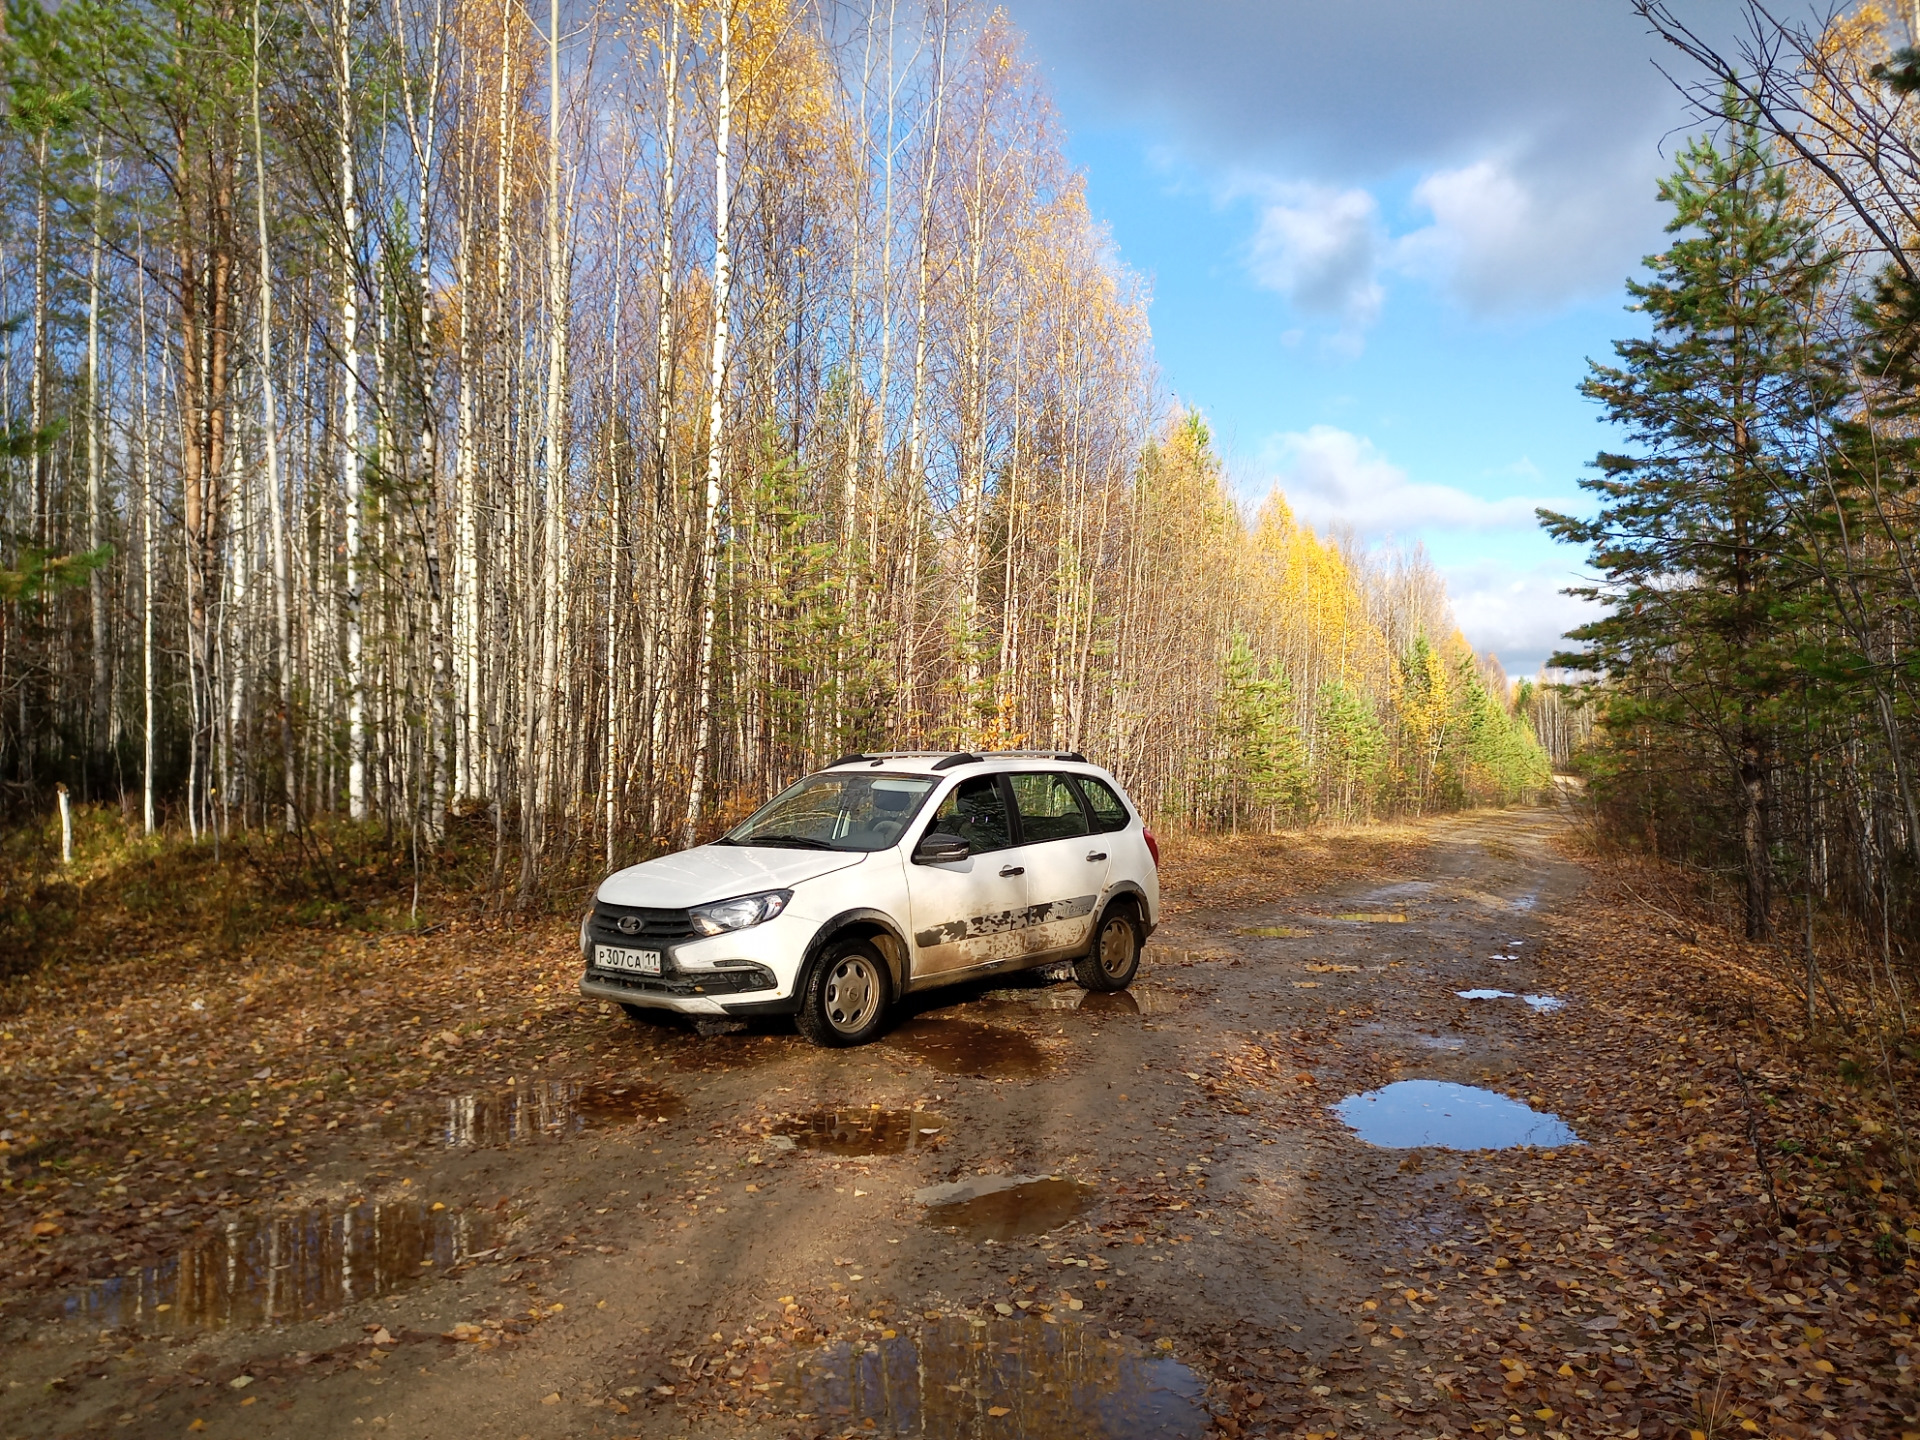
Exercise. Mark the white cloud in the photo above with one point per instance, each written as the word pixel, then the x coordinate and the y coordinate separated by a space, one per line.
pixel 1519 614
pixel 1334 477
pixel 1321 248
pixel 1503 240
pixel 1505 236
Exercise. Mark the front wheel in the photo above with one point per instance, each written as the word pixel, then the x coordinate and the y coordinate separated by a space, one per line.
pixel 845 1001
pixel 1115 957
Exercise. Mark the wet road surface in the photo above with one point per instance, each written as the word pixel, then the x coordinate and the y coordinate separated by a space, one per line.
pixel 1026 1211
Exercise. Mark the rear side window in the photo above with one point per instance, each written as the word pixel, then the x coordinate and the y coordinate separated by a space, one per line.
pixel 976 811
pixel 1049 808
pixel 1108 810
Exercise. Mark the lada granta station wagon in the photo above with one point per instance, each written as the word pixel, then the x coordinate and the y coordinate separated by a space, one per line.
pixel 880 875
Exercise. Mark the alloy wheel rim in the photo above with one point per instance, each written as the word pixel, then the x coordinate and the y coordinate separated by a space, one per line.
pixel 853 994
pixel 1116 947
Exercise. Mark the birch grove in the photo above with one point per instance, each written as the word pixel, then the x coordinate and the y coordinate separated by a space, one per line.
pixel 570 423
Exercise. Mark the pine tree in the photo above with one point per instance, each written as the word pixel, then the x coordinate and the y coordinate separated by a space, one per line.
pixel 1263 761
pixel 1720 402
pixel 1353 750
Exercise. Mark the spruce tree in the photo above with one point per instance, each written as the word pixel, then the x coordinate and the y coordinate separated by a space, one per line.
pixel 1722 404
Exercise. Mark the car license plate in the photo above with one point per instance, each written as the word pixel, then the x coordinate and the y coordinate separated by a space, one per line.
pixel 636 962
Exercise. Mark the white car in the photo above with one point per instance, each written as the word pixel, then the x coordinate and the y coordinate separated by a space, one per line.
pixel 880 875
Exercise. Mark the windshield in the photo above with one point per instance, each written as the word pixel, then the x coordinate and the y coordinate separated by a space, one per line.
pixel 836 812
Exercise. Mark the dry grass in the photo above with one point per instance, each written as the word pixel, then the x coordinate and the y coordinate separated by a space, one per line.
pixel 1203 871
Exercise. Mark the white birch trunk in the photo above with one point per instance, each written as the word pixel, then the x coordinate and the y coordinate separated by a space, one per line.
pixel 103 706
pixel 716 432
pixel 148 816
pixel 351 476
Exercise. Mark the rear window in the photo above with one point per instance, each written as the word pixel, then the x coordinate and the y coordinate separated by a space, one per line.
pixel 1109 811
pixel 1049 808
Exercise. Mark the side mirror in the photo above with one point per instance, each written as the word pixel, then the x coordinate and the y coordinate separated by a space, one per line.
pixel 937 847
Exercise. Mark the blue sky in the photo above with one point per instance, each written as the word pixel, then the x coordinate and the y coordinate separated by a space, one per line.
pixel 1383 239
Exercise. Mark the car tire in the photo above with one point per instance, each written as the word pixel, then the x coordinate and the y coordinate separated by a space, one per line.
pixel 1113 959
pixel 845 999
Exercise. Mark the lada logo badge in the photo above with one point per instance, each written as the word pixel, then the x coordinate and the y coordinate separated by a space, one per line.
pixel 628 924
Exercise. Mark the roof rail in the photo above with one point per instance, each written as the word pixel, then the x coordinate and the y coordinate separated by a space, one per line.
pixel 947 759
pixel 860 756
pixel 1073 755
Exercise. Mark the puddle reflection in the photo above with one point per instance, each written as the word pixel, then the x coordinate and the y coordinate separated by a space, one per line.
pixel 282 1268
pixel 1024 1379
pixel 862 1132
pixel 1134 1000
pixel 965 1047
pixel 1001 1207
pixel 1412 1113
pixel 534 1110
pixel 1541 1004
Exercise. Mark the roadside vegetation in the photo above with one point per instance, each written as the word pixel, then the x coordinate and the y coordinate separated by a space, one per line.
pixel 1754 698
pixel 576 422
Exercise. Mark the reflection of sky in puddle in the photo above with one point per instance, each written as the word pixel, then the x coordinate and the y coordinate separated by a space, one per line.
pixel 287 1267
pixel 1443 1042
pixel 861 1132
pixel 534 1110
pixel 1543 1004
pixel 1018 1379
pixel 1411 1113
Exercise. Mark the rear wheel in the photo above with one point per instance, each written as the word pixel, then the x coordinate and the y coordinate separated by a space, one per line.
pixel 845 1001
pixel 1115 957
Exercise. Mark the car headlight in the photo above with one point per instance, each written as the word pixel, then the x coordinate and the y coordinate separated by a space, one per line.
pixel 725 915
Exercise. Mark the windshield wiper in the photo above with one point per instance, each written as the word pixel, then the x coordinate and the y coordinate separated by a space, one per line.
pixel 797 842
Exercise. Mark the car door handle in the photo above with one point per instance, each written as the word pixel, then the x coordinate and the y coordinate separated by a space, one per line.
pixel 1096 855
pixel 1007 872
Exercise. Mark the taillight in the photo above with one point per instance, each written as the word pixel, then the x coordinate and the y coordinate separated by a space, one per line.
pixel 1153 846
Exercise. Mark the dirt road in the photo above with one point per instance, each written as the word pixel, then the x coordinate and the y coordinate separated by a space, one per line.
pixel 1026 1212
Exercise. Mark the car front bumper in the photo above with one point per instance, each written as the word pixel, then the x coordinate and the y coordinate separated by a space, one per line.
pixel 740 973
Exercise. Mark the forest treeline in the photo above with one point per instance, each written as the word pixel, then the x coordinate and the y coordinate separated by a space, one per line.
pixel 1757 543
pixel 589 418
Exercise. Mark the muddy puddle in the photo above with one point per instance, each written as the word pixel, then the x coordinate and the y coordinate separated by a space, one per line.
pixel 1539 1004
pixel 286 1267
pixel 1412 1113
pixel 1004 1207
pixel 862 1132
pixel 1276 932
pixel 1134 1000
pixel 1020 1379
pixel 966 1047
pixel 532 1110
pixel 1373 917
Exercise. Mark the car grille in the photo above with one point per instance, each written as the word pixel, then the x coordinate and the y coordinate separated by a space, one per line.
pixel 705 982
pixel 654 924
